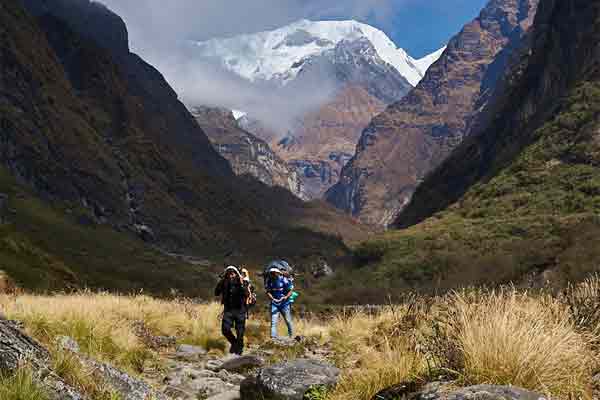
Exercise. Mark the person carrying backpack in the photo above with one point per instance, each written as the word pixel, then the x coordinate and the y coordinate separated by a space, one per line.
pixel 279 289
pixel 234 291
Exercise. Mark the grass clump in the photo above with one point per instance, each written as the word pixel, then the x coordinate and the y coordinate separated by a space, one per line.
pixel 21 386
pixel 508 338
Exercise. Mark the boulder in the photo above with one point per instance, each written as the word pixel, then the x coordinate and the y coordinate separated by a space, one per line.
pixel 446 391
pixel 289 380
pixel 189 382
pixel 126 386
pixel 242 363
pixel 189 352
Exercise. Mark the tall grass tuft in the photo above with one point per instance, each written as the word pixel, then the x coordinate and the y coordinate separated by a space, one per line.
pixel 509 338
pixel 21 386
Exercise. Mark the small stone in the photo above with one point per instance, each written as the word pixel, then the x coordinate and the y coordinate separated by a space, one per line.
pixel 230 395
pixel 67 343
pixel 189 352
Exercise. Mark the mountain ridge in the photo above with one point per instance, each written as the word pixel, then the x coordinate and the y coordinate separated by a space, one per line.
pixel 411 137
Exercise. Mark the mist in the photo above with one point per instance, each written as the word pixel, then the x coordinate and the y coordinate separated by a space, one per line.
pixel 162 32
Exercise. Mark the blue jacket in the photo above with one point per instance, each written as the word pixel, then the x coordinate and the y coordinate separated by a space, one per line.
pixel 280 287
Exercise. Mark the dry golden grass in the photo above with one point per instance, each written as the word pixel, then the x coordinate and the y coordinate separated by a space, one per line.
pixel 535 341
pixel 509 338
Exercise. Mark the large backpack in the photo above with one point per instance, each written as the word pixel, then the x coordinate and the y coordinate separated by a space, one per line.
pixel 281 265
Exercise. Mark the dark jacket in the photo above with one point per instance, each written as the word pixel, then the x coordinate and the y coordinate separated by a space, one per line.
pixel 233 294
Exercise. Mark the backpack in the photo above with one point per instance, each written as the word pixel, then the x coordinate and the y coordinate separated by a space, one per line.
pixel 281 265
pixel 251 298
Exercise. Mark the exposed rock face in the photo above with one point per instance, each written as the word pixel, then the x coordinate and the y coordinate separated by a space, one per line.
pixel 289 380
pixel 413 136
pixel 511 149
pixel 246 153
pixel 441 391
pixel 16 347
pixel 325 138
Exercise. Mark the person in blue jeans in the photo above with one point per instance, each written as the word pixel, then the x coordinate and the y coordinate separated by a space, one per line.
pixel 279 289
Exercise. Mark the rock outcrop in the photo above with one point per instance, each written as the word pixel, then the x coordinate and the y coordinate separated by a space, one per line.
pixel 414 135
pixel 289 380
pixel 442 391
pixel 18 349
pixel 555 82
pixel 246 153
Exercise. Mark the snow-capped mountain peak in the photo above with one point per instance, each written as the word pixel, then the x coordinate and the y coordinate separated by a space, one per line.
pixel 277 55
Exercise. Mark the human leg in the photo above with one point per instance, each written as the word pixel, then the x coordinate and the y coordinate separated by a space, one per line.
pixel 274 320
pixel 286 311
pixel 240 328
pixel 226 327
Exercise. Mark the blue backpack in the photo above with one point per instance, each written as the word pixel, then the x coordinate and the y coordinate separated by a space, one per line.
pixel 281 265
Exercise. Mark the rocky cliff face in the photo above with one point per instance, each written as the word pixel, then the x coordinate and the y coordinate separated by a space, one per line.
pixel 246 153
pixel 414 135
pixel 326 138
pixel 538 139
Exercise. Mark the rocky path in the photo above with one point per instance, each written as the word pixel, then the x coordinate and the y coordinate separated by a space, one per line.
pixel 192 373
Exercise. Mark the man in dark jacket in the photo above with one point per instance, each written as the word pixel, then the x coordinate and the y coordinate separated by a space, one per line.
pixel 234 294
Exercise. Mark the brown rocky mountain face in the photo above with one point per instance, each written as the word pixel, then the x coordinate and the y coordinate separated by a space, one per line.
pixel 538 139
pixel 100 147
pixel 327 138
pixel 414 135
pixel 246 153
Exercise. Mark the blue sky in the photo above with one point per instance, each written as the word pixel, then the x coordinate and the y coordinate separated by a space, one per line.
pixel 418 26
pixel 424 26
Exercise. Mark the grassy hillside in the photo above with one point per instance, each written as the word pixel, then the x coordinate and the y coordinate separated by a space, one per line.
pixel 520 200
pixel 46 247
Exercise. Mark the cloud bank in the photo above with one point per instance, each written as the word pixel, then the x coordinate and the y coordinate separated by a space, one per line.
pixel 159 31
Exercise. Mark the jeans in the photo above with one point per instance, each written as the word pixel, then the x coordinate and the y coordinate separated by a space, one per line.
pixel 286 311
pixel 237 319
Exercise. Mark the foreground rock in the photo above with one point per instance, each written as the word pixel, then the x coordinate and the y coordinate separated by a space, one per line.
pixel 445 391
pixel 17 348
pixel 289 380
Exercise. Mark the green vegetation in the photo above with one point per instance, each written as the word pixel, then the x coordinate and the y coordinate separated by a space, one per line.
pixel 21 386
pixel 54 248
pixel 540 214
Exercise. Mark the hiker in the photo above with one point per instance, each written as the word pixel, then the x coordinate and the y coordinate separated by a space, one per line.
pixel 234 295
pixel 279 289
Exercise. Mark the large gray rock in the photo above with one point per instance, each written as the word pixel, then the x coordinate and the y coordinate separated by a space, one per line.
pixel 128 387
pixel 188 382
pixel 445 391
pixel 289 380
pixel 17 348
pixel 242 363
